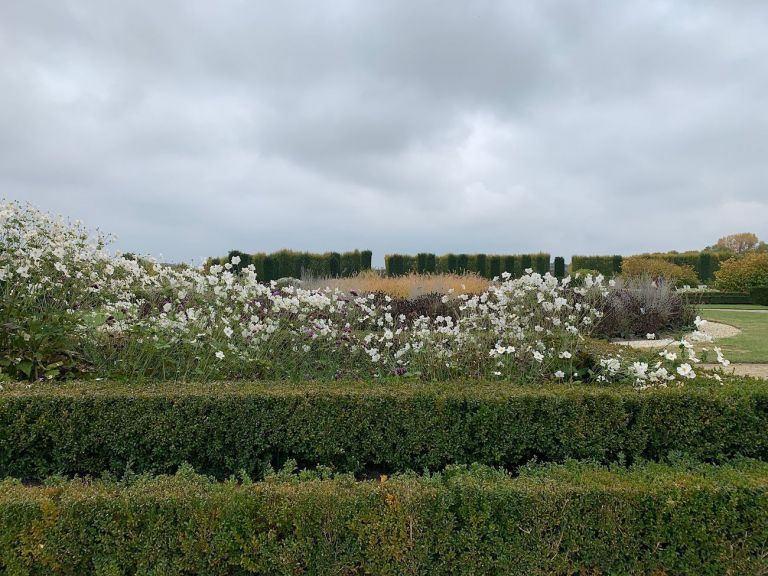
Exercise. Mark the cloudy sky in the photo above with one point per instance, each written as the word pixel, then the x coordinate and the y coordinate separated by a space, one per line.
pixel 189 127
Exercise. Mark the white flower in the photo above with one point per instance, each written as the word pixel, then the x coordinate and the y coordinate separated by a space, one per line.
pixel 538 356
pixel 559 374
pixel 235 260
pixel 167 307
pixel 228 332
pixel 650 336
pixel 497 373
pixel 686 371
pixel 639 369
pixel 220 355
pixel 564 354
pixel 671 356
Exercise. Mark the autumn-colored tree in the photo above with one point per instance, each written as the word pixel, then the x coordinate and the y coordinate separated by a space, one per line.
pixel 738 243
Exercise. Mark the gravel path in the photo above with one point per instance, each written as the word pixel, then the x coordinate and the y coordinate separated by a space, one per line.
pixel 715 329
pixel 756 370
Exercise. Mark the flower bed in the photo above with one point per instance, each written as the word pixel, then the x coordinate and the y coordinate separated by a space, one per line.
pixel 73 309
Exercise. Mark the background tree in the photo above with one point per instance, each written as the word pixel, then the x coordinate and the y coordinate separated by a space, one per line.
pixel 738 243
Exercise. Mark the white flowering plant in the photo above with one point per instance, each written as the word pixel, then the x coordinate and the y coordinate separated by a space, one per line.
pixel 70 308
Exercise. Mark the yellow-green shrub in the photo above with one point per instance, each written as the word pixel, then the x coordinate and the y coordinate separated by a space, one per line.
pixel 638 266
pixel 743 273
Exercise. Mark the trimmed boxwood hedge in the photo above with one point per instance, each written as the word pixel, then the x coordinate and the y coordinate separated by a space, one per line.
pixel 573 519
pixel 713 297
pixel 759 295
pixel 90 428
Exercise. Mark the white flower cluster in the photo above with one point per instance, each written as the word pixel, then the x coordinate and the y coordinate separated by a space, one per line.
pixel 524 329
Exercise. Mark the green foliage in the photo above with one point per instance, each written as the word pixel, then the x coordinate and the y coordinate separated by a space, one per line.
pixel 288 263
pixel 526 261
pixel 541 263
pixel 399 264
pixel 481 264
pixel 759 295
pixel 494 266
pixel 425 263
pixel 462 263
pixel 559 267
pixel 511 265
pixel 677 519
pixel 334 263
pixel 715 297
pixel 608 266
pixel 366 257
pixel 90 428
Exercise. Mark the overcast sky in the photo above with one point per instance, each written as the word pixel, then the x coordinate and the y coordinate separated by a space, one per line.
pixel 189 128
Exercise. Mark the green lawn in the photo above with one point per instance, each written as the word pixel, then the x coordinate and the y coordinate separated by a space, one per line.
pixel 732 307
pixel 749 346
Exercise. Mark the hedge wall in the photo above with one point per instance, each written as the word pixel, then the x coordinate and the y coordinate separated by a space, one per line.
pixel 90 428
pixel 289 263
pixel 711 297
pixel 759 295
pixel 608 266
pixel 574 519
pixel 486 265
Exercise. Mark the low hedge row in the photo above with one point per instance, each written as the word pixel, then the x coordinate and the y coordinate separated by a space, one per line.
pixel 759 295
pixel 712 297
pixel 90 428
pixel 573 519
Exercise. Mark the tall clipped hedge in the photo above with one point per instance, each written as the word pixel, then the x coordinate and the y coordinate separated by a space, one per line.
pixel 608 266
pixel 486 265
pixel 678 519
pixel 290 263
pixel 559 267
pixel 79 428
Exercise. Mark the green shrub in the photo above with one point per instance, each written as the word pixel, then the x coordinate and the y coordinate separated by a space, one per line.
pixel 462 263
pixel 494 266
pixel 759 295
pixel 541 263
pixel 677 519
pixel 526 262
pixel 742 273
pixel 559 267
pixel 608 266
pixel 481 264
pixel 510 265
pixel 90 428
pixel 425 263
pixel 716 297
pixel 366 257
pixel 451 264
